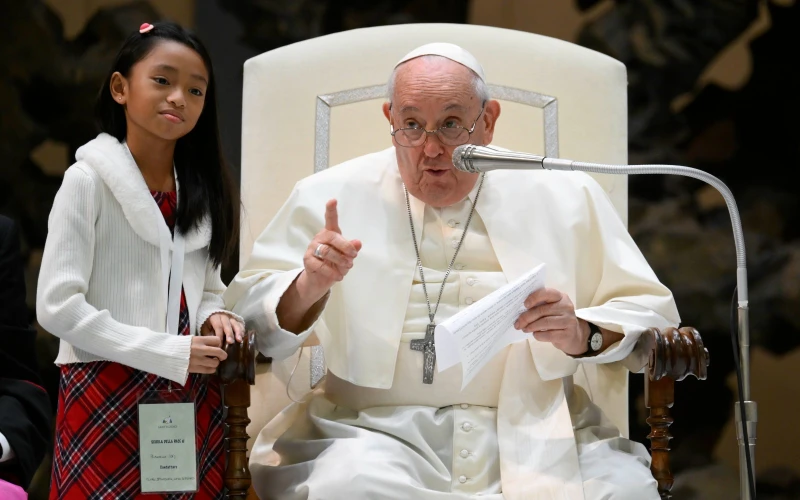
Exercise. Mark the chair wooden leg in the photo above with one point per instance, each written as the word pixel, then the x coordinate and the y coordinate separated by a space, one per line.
pixel 659 396
pixel 237 473
pixel 237 373
pixel 674 355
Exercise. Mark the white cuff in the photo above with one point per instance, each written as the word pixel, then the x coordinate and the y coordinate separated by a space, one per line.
pixel 259 310
pixel 626 318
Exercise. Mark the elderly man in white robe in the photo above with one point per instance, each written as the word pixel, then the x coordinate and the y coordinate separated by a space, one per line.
pixel 404 241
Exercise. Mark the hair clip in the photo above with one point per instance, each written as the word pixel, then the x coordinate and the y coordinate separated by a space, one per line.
pixel 145 27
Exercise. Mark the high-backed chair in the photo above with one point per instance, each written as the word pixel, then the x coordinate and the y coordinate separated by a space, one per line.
pixel 316 103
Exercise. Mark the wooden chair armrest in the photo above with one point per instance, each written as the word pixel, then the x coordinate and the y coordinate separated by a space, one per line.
pixel 237 373
pixel 674 354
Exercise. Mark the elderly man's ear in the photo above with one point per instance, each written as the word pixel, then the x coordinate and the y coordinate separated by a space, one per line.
pixel 489 118
pixel 387 111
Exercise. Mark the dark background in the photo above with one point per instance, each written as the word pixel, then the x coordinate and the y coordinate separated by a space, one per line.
pixel 711 85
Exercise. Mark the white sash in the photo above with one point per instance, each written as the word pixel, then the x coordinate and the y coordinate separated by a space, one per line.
pixel 538 453
pixel 172 275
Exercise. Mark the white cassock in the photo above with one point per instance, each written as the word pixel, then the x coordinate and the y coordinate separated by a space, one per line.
pixel 520 429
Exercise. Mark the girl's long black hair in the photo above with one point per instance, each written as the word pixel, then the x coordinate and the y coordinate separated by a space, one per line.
pixel 207 189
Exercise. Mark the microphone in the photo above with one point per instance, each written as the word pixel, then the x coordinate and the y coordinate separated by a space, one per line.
pixel 474 159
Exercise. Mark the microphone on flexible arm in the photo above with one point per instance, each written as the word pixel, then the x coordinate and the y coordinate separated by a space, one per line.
pixel 474 159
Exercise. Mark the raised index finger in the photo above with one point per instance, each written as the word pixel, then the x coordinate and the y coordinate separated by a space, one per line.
pixel 332 217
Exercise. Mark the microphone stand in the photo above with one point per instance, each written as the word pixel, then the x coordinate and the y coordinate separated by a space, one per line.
pixel 481 159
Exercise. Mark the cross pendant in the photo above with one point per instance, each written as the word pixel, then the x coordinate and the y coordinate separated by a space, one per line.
pixel 428 349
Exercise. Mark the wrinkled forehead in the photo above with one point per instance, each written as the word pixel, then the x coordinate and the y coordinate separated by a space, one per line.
pixel 434 82
pixel 430 107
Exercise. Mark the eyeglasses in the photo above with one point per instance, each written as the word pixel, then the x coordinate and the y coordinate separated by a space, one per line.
pixel 454 135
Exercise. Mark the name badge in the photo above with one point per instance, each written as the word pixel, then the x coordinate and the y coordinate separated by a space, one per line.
pixel 167 442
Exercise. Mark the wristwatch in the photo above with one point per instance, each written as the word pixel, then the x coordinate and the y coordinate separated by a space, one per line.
pixel 595 340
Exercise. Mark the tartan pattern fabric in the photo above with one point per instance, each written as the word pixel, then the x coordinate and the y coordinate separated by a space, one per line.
pixel 97 441
pixel 167 201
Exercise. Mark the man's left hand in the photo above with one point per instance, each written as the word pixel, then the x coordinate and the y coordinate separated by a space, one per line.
pixel 226 328
pixel 551 318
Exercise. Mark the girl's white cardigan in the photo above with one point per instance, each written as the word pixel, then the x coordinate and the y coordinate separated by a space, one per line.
pixel 100 283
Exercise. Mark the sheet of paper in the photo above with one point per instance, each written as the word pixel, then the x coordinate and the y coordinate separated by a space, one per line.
pixel 474 335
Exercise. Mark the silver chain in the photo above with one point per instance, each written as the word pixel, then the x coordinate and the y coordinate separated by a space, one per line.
pixel 432 314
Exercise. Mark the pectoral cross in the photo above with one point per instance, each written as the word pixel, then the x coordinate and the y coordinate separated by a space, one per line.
pixel 428 349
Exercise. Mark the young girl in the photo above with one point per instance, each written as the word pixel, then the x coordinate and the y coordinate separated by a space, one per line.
pixel 130 271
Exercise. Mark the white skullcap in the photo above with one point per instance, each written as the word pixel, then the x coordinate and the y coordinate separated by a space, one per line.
pixel 448 50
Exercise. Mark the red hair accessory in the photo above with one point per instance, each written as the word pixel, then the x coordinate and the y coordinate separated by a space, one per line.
pixel 145 27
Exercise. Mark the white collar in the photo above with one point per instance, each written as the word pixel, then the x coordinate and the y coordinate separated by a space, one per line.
pixel 474 191
pixel 112 161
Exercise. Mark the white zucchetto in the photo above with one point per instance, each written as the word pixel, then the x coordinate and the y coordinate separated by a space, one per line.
pixel 448 50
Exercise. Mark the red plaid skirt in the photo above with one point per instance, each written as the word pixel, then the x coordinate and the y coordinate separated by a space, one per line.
pixel 97 436
pixel 97 430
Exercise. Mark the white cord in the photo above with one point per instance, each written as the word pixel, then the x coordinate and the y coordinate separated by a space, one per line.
pixel 289 382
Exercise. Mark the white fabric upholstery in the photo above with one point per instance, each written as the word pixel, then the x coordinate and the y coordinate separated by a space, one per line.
pixel 281 140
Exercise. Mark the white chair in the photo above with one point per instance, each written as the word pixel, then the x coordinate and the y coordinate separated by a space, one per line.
pixel 301 104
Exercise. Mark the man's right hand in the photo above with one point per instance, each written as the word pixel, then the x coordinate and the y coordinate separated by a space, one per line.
pixel 328 258
pixel 206 354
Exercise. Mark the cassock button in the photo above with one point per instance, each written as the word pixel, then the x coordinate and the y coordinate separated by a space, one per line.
pixel 454 244
pixel 468 300
pixel 464 453
pixel 466 426
pixel 471 281
pixel 462 479
pixel 452 223
pixel 464 406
